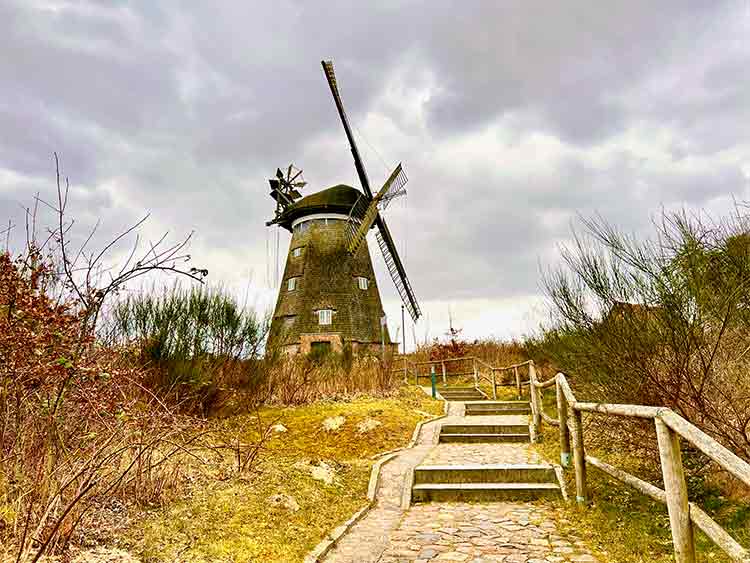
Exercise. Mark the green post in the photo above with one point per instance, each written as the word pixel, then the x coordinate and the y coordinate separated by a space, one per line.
pixel 433 379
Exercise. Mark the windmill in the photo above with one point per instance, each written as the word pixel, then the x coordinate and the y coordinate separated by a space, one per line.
pixel 329 298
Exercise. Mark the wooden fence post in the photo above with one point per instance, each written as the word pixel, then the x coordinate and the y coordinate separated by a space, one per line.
pixel 536 416
pixel 476 376
pixel 579 456
pixel 444 379
pixel 494 385
pixel 562 415
pixel 676 490
pixel 518 382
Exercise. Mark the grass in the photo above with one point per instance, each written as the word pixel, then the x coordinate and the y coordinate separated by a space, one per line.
pixel 625 526
pixel 232 520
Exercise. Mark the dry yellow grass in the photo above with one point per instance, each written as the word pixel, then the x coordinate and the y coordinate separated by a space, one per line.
pixel 233 520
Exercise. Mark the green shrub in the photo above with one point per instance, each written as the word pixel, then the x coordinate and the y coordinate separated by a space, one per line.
pixel 197 337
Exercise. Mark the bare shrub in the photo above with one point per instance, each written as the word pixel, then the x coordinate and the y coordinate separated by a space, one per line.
pixel 79 424
pixel 74 427
pixel 297 380
pixel 659 322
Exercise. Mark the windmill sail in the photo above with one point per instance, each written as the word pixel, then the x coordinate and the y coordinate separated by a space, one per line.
pixel 331 77
pixel 385 240
pixel 357 231
pixel 398 275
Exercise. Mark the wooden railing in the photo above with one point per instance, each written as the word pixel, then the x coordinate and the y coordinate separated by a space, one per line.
pixel 479 371
pixel 670 428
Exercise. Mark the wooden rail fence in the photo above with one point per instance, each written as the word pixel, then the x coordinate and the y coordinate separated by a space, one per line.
pixel 450 369
pixel 670 428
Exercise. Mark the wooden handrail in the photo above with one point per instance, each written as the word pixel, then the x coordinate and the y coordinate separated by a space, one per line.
pixel 670 426
pixel 713 449
pixel 506 368
pixel 707 524
pixel 429 362
pixel 637 411
pixel 544 384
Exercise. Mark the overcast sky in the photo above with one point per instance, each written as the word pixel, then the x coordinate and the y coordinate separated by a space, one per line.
pixel 511 119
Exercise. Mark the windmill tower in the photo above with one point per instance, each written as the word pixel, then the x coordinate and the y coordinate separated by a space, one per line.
pixel 329 296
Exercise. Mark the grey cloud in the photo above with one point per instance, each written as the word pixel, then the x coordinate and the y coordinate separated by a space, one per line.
pixel 187 109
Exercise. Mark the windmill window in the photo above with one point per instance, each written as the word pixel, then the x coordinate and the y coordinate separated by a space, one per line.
pixel 362 281
pixel 325 316
pixel 297 252
pixel 291 284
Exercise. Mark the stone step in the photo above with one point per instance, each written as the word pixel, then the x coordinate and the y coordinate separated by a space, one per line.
pixel 484 429
pixel 495 412
pixel 501 404
pixel 479 438
pixel 447 492
pixel 491 473
pixel 459 391
pixel 497 407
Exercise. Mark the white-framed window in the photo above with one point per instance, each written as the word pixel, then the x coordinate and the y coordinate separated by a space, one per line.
pixel 297 252
pixel 291 284
pixel 325 316
pixel 362 282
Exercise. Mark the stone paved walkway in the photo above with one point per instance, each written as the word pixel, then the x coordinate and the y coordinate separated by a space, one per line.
pixel 493 532
pixel 497 532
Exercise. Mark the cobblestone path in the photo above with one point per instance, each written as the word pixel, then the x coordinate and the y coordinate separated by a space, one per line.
pixel 474 533
pixel 368 539
pixel 498 532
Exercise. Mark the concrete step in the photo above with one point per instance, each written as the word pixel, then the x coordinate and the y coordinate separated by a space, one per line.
pixel 472 411
pixel 497 407
pixel 447 492
pixel 460 392
pixel 484 429
pixel 501 404
pixel 479 438
pixel 474 473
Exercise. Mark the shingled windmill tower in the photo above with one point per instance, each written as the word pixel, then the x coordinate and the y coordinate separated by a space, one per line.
pixel 329 296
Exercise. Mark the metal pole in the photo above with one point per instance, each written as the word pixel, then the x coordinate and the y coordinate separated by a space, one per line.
pixel 433 380
pixel 382 337
pixel 403 329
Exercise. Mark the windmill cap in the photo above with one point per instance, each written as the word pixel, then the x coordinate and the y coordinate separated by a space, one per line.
pixel 337 199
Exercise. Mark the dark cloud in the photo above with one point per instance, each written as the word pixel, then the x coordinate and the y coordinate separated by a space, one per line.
pixel 511 118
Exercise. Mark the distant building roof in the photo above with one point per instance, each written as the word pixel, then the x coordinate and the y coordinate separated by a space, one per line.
pixel 622 309
pixel 337 199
